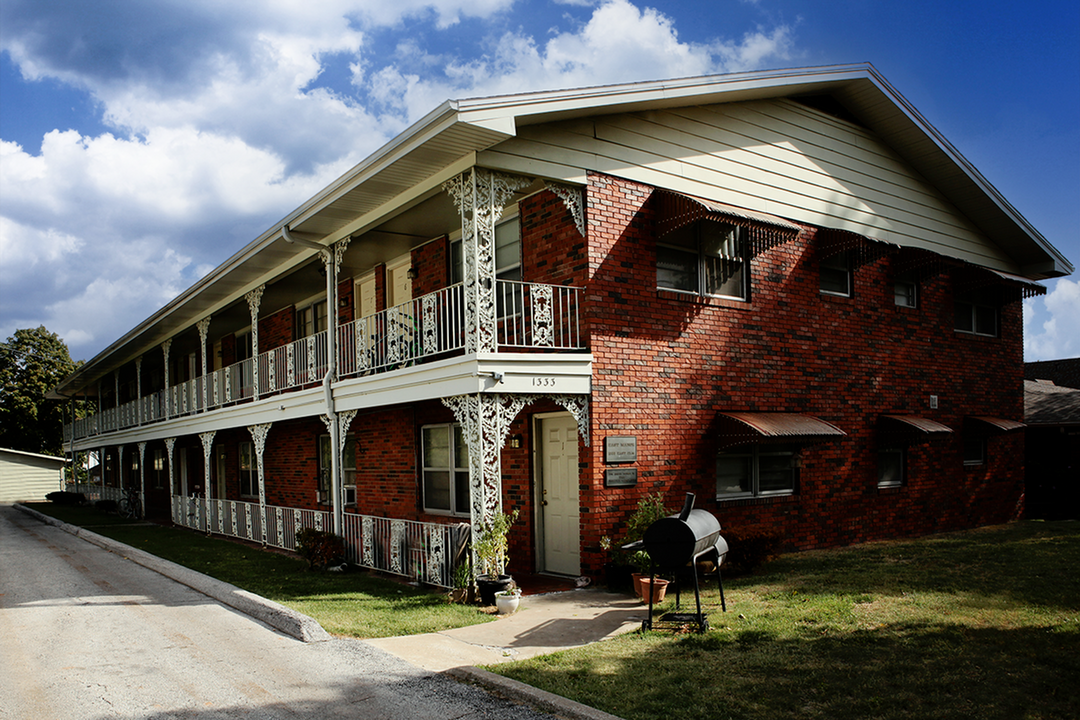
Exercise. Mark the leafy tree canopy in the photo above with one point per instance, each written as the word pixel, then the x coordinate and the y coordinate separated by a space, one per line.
pixel 32 362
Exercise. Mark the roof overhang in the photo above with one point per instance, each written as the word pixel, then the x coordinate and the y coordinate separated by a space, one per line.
pixel 445 142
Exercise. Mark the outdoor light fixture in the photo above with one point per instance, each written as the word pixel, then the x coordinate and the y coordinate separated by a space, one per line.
pixel 515 441
pixel 413 273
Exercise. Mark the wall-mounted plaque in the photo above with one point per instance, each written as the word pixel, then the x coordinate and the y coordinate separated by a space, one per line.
pixel 620 449
pixel 620 477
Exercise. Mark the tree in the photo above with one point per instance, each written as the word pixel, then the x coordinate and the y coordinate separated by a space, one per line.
pixel 33 362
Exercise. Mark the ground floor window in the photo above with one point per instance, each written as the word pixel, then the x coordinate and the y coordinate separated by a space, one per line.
pixel 445 464
pixel 756 470
pixel 974 451
pixel 348 470
pixel 249 482
pixel 891 467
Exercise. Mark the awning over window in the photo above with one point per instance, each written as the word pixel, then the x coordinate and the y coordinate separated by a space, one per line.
pixel 991 425
pixel 742 428
pixel 969 278
pixel 863 250
pixel 911 428
pixel 674 210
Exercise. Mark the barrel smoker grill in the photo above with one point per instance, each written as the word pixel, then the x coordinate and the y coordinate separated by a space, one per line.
pixel 677 543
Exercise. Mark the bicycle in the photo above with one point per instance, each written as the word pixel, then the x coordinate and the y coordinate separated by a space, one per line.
pixel 130 507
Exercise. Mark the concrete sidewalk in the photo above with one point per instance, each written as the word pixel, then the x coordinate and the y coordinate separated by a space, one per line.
pixel 543 624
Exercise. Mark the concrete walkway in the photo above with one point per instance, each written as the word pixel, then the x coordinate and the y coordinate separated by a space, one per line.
pixel 543 624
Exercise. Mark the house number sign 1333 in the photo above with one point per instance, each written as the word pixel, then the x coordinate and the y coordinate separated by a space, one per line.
pixel 545 382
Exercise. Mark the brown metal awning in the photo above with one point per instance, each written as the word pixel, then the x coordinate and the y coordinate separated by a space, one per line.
pixel 742 428
pixel 675 210
pixel 912 428
pixel 863 250
pixel 982 425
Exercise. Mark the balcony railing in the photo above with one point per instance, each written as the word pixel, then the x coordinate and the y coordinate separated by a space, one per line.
pixel 529 316
pixel 425 552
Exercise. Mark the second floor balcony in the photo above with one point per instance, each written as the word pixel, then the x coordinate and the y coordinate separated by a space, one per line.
pixel 530 317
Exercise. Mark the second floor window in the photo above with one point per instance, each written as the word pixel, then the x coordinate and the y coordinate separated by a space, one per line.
pixel 977 314
pixel 507 253
pixel 836 275
pixel 703 258
pixel 311 318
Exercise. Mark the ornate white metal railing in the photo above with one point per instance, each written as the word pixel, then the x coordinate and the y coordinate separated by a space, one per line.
pixel 425 552
pixel 529 316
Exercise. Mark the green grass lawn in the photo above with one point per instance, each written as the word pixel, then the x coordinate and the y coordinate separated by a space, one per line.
pixel 355 604
pixel 979 624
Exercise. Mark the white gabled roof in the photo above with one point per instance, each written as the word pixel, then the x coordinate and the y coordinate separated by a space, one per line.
pixel 447 140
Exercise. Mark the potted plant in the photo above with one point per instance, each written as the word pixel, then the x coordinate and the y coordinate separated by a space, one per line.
pixel 491 546
pixel 649 509
pixel 462 580
pixel 507 600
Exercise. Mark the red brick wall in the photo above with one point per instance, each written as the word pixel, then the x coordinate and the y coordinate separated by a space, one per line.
pixel 432 264
pixel 277 329
pixel 664 366
pixel 346 306
pixel 291 463
pixel 552 249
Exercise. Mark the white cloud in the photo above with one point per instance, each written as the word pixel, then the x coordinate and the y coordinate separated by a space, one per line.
pixel 223 122
pixel 1052 323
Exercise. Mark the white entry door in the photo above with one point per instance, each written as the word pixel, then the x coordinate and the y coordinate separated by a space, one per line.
pixel 560 508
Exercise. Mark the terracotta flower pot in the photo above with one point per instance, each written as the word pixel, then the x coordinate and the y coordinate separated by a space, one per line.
pixel 658 588
pixel 636 578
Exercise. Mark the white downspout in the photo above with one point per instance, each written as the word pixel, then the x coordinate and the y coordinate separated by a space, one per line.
pixel 331 373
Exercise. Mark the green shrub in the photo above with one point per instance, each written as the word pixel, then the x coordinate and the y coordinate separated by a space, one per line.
pixel 319 547
pixel 749 547
pixel 66 498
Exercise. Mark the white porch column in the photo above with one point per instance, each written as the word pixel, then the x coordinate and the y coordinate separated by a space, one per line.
pixel 204 331
pixel 480 196
pixel 120 468
pixel 170 445
pixel 142 480
pixel 138 391
pixel 254 298
pixel 258 437
pixel 208 446
pixel 165 346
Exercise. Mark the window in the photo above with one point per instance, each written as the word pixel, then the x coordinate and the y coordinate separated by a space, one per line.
pixel 348 470
pixel 158 465
pixel 974 451
pixel 507 253
pixel 836 274
pixel 703 258
pixel 905 293
pixel 756 470
pixel 249 481
pixel 976 314
pixel 311 318
pixel 891 467
pixel 445 470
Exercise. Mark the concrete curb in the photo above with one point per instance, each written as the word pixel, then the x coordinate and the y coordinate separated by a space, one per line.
pixel 541 699
pixel 273 614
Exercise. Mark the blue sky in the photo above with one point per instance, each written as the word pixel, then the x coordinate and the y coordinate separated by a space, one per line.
pixel 143 143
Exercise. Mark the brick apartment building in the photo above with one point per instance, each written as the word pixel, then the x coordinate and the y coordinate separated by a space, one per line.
pixel 782 291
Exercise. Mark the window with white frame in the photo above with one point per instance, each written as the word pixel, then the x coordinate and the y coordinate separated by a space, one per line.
pixel 977 314
pixel 974 451
pixel 704 258
pixel 892 467
pixel 249 481
pixel 836 275
pixel 348 470
pixel 445 462
pixel 756 470
pixel 311 317
pixel 507 252
pixel 905 293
